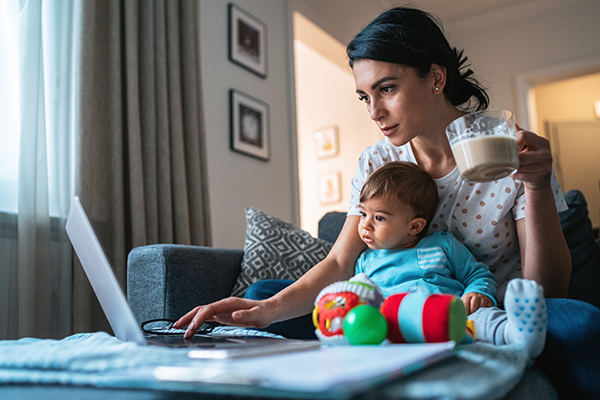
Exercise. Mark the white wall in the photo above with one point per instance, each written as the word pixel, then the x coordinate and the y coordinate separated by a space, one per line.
pixel 236 180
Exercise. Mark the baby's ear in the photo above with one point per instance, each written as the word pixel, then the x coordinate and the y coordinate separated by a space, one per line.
pixel 417 225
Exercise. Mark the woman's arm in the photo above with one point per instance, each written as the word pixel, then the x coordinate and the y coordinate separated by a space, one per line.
pixel 298 299
pixel 545 256
pixel 295 300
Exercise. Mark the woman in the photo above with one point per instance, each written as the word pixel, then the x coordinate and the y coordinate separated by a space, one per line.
pixel 414 84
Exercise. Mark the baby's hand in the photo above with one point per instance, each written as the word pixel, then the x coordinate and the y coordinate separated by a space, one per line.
pixel 474 301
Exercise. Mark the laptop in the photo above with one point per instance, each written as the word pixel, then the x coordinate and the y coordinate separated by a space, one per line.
pixel 123 322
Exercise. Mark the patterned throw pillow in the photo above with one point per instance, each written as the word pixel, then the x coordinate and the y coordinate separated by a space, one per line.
pixel 275 249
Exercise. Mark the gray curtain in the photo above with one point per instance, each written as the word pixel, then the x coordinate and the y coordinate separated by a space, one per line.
pixel 139 147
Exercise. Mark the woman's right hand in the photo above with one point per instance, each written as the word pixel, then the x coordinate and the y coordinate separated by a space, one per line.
pixel 230 311
pixel 535 159
pixel 294 301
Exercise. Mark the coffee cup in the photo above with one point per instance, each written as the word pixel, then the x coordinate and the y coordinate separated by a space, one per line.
pixel 484 145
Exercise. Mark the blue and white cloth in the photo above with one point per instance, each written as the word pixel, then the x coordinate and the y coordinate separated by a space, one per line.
pixel 100 360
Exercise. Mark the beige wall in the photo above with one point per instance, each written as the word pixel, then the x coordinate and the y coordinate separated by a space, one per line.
pixel 571 99
pixel 325 96
pixel 567 109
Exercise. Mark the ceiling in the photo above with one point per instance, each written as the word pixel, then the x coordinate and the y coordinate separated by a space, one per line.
pixel 452 10
pixel 342 19
pixel 342 22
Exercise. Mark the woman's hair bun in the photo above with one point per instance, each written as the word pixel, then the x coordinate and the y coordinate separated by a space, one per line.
pixel 413 37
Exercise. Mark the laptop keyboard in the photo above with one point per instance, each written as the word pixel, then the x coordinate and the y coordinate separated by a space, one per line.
pixel 194 341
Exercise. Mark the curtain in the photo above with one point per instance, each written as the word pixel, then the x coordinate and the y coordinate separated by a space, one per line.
pixel 39 299
pixel 110 111
pixel 139 160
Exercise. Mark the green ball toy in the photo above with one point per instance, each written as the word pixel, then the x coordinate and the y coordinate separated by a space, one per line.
pixel 364 324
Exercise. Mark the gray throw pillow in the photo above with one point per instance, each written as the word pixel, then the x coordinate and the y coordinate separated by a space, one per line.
pixel 275 249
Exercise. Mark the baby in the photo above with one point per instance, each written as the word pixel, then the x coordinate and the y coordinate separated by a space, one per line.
pixel 397 203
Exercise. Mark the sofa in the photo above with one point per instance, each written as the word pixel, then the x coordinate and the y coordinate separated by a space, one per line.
pixel 166 281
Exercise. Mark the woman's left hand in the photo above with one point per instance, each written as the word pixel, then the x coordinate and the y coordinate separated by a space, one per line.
pixel 535 160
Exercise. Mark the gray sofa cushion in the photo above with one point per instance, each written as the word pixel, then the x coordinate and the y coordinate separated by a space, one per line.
pixel 275 249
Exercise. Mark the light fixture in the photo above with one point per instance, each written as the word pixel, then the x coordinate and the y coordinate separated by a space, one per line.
pixel 597 109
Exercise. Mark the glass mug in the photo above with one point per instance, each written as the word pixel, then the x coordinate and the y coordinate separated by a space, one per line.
pixel 484 145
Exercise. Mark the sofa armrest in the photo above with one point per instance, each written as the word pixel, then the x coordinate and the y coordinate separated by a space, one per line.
pixel 166 280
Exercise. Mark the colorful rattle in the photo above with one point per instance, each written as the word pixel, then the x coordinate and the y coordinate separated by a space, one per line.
pixel 346 312
pixel 354 312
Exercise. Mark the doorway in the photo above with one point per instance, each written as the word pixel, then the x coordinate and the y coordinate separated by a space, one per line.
pixel 565 113
pixel 333 127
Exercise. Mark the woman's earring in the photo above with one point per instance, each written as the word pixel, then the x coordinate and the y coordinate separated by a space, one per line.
pixel 437 89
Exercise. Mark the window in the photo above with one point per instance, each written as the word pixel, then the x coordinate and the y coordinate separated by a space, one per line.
pixel 9 104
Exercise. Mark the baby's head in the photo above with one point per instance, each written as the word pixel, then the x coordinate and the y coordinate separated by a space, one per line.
pixel 403 185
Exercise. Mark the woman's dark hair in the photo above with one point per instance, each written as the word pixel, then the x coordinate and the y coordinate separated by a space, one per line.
pixel 414 38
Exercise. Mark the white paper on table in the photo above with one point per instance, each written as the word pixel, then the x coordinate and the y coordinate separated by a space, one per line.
pixel 343 368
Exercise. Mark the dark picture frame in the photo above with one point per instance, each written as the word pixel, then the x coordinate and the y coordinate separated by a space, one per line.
pixel 249 123
pixel 247 41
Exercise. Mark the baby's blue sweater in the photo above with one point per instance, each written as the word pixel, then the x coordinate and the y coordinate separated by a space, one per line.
pixel 438 263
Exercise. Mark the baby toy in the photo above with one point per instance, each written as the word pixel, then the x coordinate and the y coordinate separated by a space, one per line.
pixel 422 317
pixel 334 303
pixel 355 312
pixel 364 324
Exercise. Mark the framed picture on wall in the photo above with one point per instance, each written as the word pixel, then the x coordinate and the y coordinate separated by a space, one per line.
pixel 326 142
pixel 249 125
pixel 330 188
pixel 247 41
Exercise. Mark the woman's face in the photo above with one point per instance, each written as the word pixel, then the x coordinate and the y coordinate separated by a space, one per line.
pixel 400 102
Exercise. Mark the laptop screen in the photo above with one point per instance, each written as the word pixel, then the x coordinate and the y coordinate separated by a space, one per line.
pixel 101 276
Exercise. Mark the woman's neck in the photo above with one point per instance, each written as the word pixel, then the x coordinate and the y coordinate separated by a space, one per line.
pixel 432 150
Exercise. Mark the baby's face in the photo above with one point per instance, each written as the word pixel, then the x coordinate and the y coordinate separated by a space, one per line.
pixel 386 224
